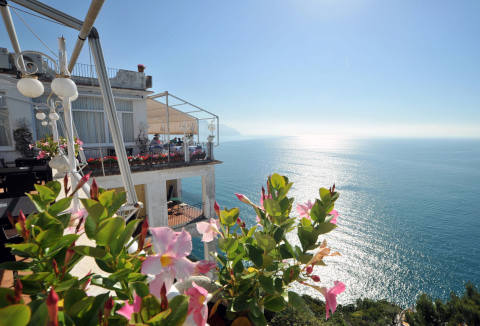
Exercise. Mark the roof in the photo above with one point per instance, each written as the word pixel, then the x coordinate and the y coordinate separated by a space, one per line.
pixel 179 122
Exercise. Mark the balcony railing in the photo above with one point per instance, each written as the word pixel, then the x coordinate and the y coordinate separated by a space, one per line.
pixel 102 161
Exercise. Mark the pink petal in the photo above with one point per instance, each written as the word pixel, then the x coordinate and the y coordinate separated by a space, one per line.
pixel 203 227
pixel 208 237
pixel 156 285
pixel 126 311
pixel 162 238
pixel 338 288
pixel 137 302
pixel 184 268
pixel 182 246
pixel 152 265
pixel 204 266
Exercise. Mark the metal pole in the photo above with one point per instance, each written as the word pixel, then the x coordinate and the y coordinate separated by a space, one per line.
pixel 90 18
pixel 111 113
pixel 168 126
pixel 67 111
pixel 53 123
pixel 198 131
pixel 51 12
pixel 7 18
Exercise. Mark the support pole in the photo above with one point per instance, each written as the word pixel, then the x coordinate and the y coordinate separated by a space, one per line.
pixel 90 18
pixel 67 111
pixel 111 112
pixel 53 122
pixel 12 34
pixel 168 126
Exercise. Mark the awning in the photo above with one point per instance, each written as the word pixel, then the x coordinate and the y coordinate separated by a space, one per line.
pixel 179 122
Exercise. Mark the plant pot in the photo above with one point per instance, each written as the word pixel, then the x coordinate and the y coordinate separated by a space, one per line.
pixel 59 165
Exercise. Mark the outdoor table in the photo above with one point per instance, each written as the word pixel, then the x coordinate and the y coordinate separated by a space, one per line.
pixel 23 169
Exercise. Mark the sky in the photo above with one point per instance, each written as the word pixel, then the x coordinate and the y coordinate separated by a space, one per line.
pixel 396 68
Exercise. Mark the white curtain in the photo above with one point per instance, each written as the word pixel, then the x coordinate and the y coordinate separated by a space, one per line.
pixel 4 128
pixel 90 126
pixel 127 127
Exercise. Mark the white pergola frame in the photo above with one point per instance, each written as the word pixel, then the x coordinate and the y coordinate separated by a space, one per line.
pixel 86 30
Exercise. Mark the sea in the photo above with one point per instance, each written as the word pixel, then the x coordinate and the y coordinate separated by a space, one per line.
pixel 409 208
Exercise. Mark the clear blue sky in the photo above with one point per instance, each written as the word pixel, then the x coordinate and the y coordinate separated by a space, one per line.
pixel 361 67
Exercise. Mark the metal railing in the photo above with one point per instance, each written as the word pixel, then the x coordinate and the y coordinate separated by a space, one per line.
pixel 79 70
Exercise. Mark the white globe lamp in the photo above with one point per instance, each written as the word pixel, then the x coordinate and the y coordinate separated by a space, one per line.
pixel 64 87
pixel 74 97
pixel 30 86
pixel 40 115
pixel 53 116
pixel 44 123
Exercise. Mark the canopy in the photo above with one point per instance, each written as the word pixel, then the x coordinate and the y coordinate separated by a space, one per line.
pixel 179 122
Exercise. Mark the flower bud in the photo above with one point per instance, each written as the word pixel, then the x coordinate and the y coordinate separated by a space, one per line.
pixel 217 209
pixel 309 269
pixel 94 190
pixel 315 278
pixel 52 307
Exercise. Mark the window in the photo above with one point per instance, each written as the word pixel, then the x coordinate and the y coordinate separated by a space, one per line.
pixel 91 123
pixel 4 124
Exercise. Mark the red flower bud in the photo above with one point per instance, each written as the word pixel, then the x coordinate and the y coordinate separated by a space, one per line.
pixel 143 234
pixel 55 267
pixel 68 256
pixel 163 298
pixel 52 306
pixel 315 278
pixel 18 290
pixel 66 188
pixel 216 208
pixel 80 184
pixel 22 219
pixel 94 190
pixel 309 269
pixel 107 308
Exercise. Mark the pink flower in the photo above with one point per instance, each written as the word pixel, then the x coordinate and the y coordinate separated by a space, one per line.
pixel 334 213
pixel 304 209
pixel 30 146
pixel 196 304
pixel 170 261
pixel 209 230
pixel 244 199
pixel 78 142
pixel 128 309
pixel 40 155
pixel 331 297
pixel 204 266
pixel 74 220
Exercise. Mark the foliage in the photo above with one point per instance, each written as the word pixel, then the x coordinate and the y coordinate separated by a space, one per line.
pixel 49 148
pixel 455 311
pixel 23 138
pixel 258 264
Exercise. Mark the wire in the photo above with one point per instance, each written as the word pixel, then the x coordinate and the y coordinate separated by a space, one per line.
pixel 32 14
pixel 31 30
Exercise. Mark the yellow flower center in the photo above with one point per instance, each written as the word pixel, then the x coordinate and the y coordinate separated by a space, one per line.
pixel 201 299
pixel 166 260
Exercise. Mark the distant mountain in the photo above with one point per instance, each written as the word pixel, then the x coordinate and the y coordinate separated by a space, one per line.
pixel 227 131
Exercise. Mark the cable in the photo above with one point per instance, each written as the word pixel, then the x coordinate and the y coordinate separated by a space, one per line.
pixel 31 30
pixel 32 14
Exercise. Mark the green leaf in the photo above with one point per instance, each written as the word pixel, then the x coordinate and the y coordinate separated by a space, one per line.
pixel 140 288
pixel 324 194
pixel 94 209
pixel 257 320
pixel 277 181
pixel 15 265
pixel 64 242
pixel 308 237
pixel 255 254
pixel 91 227
pixel 286 251
pixel 15 315
pixel 240 303
pixel 60 206
pixel 275 303
pixel 291 274
pixel 297 302
pixel 228 244
pixel 109 230
pixel 318 212
pixel 179 306
pixel 96 252
pixel 39 312
pixel 272 207
pixel 265 241
pixel 55 186
pixel 46 194
pixel 325 228
pixel 5 296
pixel 267 284
pixel 49 237
pixel 117 246
pixel 150 307
pixel 229 217
pixel 24 249
pixel 65 285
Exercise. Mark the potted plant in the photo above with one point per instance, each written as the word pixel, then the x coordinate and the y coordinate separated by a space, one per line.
pixel 141 68
pixel 154 283
pixel 49 148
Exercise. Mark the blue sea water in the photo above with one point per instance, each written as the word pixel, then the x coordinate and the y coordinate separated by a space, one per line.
pixel 409 209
